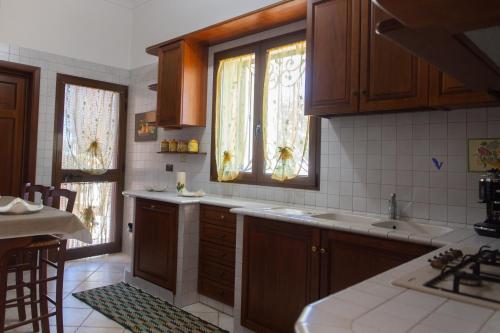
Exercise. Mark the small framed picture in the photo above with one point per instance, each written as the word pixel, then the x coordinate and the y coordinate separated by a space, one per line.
pixel 145 127
pixel 484 154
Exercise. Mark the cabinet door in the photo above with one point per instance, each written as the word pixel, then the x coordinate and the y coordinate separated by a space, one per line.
pixel 390 77
pixel 332 79
pixel 155 243
pixel 169 101
pixel 446 91
pixel 280 274
pixel 350 258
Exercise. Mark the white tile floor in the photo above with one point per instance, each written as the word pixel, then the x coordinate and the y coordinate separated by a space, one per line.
pixel 96 272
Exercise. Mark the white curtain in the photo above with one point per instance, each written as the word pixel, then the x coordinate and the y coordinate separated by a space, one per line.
pixel 90 144
pixel 234 116
pixel 90 129
pixel 285 128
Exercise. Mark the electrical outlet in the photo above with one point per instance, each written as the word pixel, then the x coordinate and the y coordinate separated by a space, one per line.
pixel 169 167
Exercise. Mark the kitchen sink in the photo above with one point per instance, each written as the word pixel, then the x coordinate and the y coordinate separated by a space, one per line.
pixel 345 218
pixel 290 211
pixel 413 228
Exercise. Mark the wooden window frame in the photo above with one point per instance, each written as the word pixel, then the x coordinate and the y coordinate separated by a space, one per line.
pixel 258 177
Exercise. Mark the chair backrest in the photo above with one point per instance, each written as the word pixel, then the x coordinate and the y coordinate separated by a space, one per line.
pixel 29 191
pixel 55 195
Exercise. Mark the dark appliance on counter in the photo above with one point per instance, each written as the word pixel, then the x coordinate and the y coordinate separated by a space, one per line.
pixel 489 193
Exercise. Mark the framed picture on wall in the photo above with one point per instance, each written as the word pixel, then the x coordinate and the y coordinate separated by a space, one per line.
pixel 484 154
pixel 145 127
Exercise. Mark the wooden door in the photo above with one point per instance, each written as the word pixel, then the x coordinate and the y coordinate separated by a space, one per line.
pixel 82 151
pixel 169 102
pixel 12 117
pixel 391 78
pixel 332 81
pixel 446 91
pixel 155 242
pixel 280 274
pixel 349 258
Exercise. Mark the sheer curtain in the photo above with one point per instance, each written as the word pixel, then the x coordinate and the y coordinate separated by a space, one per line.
pixel 285 128
pixel 234 116
pixel 90 129
pixel 90 144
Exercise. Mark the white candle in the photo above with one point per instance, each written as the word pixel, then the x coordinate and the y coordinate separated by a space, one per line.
pixel 181 181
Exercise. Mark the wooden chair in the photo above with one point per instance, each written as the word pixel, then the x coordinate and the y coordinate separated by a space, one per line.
pixel 40 245
pixel 28 192
pixel 38 252
pixel 24 260
pixel 55 195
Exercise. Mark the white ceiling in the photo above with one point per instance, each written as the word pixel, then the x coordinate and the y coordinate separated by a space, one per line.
pixel 127 3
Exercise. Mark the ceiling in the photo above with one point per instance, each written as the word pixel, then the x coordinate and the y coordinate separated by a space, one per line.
pixel 128 3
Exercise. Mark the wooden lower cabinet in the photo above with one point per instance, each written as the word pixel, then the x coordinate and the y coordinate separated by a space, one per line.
pixel 351 258
pixel 155 242
pixel 280 273
pixel 287 266
pixel 217 254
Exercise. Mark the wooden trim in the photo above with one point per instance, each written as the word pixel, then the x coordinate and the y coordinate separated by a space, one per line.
pixel 32 74
pixel 272 16
pixel 116 175
pixel 257 177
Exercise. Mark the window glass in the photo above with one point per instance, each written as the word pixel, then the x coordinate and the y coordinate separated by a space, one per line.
pixel 234 108
pixel 285 128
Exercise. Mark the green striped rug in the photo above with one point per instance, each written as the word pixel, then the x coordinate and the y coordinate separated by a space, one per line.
pixel 141 312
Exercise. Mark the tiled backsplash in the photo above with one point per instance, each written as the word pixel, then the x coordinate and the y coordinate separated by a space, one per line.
pixel 364 159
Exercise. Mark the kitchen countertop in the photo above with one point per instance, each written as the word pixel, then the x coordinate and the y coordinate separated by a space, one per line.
pixel 374 305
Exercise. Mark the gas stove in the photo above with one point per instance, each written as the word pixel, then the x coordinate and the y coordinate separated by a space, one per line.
pixel 466 275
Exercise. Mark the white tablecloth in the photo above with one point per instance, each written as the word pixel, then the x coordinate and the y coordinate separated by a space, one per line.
pixel 45 222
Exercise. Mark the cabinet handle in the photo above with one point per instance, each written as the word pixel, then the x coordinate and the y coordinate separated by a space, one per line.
pixel 322 251
pixel 222 216
pixel 314 249
pixel 364 92
pixel 355 93
pixel 152 206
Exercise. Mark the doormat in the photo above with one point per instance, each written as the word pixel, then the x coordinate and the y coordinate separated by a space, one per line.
pixel 142 313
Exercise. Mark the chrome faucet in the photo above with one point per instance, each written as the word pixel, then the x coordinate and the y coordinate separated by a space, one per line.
pixel 393 207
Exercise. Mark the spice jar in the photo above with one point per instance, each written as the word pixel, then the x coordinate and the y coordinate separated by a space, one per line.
pixel 182 147
pixel 193 146
pixel 164 145
pixel 172 145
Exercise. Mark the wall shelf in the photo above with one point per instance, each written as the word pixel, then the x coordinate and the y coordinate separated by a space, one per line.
pixel 153 86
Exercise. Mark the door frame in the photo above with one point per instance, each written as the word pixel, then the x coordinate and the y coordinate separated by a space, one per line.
pixel 30 135
pixel 117 176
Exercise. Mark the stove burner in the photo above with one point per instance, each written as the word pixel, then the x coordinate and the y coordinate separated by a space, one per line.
pixel 466 279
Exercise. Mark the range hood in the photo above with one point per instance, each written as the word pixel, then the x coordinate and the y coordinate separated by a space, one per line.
pixel 460 37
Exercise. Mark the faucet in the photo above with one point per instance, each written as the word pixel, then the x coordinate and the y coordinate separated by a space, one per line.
pixel 393 207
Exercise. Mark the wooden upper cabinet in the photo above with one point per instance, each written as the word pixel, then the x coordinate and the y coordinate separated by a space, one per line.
pixel 391 78
pixel 332 83
pixel 182 73
pixel 446 91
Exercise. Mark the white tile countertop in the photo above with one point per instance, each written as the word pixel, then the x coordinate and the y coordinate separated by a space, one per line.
pixel 374 305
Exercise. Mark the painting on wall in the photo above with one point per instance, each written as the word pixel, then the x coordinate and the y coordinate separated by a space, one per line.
pixel 484 154
pixel 145 127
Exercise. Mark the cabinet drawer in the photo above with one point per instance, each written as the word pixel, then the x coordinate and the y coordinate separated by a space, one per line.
pixel 224 275
pixel 221 254
pixel 154 206
pixel 216 291
pixel 218 235
pixel 218 215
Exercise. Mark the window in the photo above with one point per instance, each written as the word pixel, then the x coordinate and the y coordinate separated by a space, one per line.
pixel 260 133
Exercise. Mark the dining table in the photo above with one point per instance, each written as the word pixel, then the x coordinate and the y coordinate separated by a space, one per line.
pixel 17 230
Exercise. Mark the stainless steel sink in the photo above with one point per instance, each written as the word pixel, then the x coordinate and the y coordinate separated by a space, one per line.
pixel 413 228
pixel 345 218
